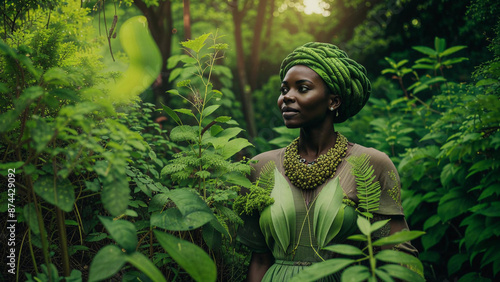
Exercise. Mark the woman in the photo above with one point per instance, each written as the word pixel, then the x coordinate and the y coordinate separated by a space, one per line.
pixel 320 86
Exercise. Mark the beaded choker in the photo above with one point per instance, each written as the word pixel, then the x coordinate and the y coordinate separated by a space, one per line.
pixel 310 175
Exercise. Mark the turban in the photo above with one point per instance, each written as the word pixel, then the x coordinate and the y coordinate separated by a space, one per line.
pixel 343 76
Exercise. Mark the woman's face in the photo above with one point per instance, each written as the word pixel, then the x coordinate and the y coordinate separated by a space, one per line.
pixel 305 100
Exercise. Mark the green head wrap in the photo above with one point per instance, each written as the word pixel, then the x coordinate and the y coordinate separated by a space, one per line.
pixel 343 76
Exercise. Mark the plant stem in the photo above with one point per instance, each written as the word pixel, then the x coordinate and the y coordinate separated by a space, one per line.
pixel 63 241
pixel 41 226
pixel 372 258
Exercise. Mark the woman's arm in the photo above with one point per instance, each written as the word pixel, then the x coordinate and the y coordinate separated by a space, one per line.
pixel 259 264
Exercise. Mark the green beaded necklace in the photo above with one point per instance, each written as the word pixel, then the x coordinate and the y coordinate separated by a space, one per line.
pixel 310 175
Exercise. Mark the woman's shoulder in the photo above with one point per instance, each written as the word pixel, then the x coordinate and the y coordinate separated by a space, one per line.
pixel 375 155
pixel 377 158
pixel 272 155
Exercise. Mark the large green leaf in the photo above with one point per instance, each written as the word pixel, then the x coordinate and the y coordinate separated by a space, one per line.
pixel 283 211
pixel 106 263
pixel 197 43
pixel 173 219
pixel 453 204
pixel 234 146
pixel 209 110
pixel 402 273
pixel 426 50
pixel 191 212
pixel 321 269
pixel 30 217
pixel 327 219
pixel 344 249
pixel 189 256
pixel 115 195
pixel 41 133
pixel 183 133
pixel 142 263
pixel 355 273
pixel 122 231
pixel 398 237
pixel 452 50
pixel 172 114
pixel 61 194
pixel 400 257
pixel 222 137
pixel 456 262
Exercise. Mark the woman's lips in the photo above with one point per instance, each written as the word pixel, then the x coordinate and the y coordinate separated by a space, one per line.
pixel 289 113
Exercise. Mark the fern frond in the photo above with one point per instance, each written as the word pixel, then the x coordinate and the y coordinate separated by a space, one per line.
pixel 266 178
pixel 368 190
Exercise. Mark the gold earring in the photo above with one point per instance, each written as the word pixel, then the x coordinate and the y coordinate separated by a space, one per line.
pixel 337 114
pixel 331 109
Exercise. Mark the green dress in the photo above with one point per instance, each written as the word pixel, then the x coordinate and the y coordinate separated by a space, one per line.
pixel 301 222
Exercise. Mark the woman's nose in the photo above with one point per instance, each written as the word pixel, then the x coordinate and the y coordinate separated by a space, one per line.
pixel 288 98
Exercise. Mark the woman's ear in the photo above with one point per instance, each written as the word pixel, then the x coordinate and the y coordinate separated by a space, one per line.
pixel 335 102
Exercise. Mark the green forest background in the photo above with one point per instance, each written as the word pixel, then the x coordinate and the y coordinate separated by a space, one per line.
pixel 107 187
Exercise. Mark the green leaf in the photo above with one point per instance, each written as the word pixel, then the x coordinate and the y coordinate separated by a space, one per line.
pixel 197 43
pixel 321 269
pixel 183 133
pixel 61 194
pixel 385 71
pixel 41 134
pixel 56 76
pixel 212 237
pixel 106 263
pixel 401 63
pixel 455 263
pixel 222 119
pixel 402 273
pixel 209 110
pixel 453 204
pixel 379 224
pixel 234 146
pixel 191 212
pixel 142 263
pixel 439 44
pixel 122 231
pixel 355 273
pixel 398 237
pixel 222 138
pixel 400 257
pixel 189 256
pixel 454 61
pixel 452 50
pixel 186 112
pixel 344 249
pixel 326 223
pixel 425 50
pixel 281 213
pixel 115 195
pixel 383 275
pixel 29 214
pixel 364 225
pixel 358 237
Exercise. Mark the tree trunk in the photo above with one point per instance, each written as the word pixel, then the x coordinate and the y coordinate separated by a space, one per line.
pixel 187 20
pixel 269 26
pixel 256 44
pixel 245 93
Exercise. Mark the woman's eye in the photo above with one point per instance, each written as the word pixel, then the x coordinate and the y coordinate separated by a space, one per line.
pixel 303 89
pixel 283 90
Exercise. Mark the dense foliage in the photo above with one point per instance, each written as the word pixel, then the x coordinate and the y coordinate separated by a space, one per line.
pixel 139 190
